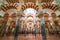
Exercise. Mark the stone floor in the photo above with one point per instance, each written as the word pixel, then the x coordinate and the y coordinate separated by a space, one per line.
pixel 31 37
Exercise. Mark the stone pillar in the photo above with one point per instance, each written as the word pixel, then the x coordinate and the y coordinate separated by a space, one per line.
pixel 43 32
pixel 17 28
pixel 46 21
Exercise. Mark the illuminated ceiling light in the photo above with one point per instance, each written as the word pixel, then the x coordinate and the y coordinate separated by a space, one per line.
pixel 29 10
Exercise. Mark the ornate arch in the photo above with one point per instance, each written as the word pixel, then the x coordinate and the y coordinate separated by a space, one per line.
pixel 30 5
pixel 12 1
pixel 9 6
pixel 50 6
pixel 46 1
